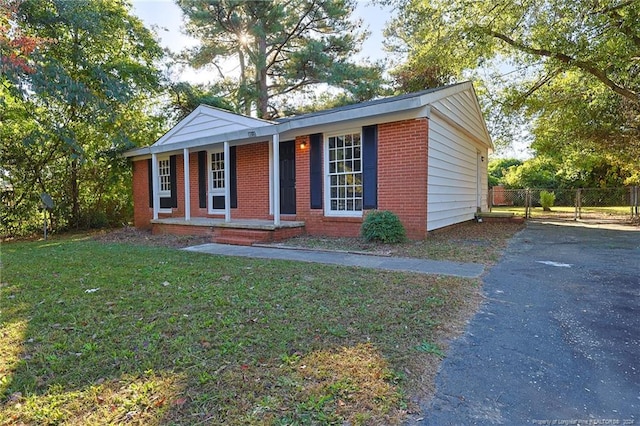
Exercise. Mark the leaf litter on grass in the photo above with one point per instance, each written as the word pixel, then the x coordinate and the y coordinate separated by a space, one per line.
pixel 229 341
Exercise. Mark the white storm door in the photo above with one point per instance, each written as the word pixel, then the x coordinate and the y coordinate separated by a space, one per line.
pixel 217 182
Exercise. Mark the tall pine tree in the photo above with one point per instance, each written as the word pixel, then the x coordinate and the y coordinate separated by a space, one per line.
pixel 278 48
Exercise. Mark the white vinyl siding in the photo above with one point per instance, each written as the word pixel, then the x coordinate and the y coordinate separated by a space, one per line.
pixel 205 121
pixel 452 191
pixel 457 178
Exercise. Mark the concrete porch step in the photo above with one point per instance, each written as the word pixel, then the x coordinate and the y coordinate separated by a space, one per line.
pixel 236 241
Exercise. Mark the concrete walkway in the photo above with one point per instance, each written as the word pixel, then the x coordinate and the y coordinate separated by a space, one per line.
pixel 420 266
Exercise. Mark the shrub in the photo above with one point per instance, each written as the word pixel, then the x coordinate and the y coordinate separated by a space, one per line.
pixel 546 200
pixel 383 226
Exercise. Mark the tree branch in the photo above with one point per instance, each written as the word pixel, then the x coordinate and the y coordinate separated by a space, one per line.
pixel 566 59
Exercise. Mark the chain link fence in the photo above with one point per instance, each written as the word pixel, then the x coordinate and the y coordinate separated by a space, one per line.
pixel 617 204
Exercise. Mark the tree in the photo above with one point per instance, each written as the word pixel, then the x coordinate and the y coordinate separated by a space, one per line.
pixel 537 172
pixel 82 100
pixel 279 48
pixel 575 60
pixel 593 133
pixel 498 167
pixel 186 97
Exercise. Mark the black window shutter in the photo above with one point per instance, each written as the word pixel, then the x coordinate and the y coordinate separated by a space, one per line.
pixel 233 176
pixel 370 167
pixel 202 179
pixel 315 168
pixel 172 201
pixel 150 167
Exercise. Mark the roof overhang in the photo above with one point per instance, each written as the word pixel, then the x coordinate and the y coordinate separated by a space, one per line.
pixel 254 130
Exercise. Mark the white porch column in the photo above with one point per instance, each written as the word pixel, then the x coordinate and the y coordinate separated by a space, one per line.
pixel 155 184
pixel 276 179
pixel 227 184
pixel 187 186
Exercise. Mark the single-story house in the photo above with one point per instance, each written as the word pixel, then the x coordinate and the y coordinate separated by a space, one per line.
pixel 241 180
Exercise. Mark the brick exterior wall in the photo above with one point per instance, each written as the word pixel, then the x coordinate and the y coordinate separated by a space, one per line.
pixel 252 165
pixel 402 173
pixel 402 184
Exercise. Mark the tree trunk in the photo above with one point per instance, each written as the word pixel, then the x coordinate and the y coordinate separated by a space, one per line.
pixel 75 194
pixel 244 101
pixel 261 78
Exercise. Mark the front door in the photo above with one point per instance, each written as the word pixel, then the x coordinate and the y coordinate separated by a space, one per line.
pixel 288 177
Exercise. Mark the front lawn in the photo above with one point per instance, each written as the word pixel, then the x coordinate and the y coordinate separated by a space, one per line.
pixel 96 332
pixel 464 242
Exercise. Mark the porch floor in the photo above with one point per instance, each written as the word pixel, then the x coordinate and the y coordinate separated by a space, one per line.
pixel 238 231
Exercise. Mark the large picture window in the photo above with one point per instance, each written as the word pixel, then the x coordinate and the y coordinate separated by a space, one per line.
pixel 344 174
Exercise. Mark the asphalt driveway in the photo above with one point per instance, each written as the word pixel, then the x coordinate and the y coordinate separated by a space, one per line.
pixel 557 340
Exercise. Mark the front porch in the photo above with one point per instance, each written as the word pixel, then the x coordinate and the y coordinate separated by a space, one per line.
pixel 237 232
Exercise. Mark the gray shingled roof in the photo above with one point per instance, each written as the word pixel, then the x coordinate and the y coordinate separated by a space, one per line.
pixel 365 104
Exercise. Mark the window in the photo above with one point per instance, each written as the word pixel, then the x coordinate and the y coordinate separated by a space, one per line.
pixel 344 174
pixel 217 170
pixel 216 182
pixel 164 175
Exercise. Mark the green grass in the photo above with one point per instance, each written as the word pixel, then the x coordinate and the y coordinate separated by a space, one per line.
pixel 565 211
pixel 465 242
pixel 100 333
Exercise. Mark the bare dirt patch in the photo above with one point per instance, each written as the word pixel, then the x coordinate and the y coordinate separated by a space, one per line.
pixel 135 236
pixel 464 242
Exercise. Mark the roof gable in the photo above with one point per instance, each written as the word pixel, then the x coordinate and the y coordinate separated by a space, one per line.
pixel 208 125
pixel 207 121
pixel 464 109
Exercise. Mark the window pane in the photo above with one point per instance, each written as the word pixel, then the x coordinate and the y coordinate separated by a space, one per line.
pixel 217 170
pixel 164 175
pixel 345 173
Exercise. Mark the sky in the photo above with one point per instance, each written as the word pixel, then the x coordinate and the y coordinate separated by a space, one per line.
pixel 166 17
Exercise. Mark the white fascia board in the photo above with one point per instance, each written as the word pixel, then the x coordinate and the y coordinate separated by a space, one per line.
pixel 386 108
pixel 237 118
pixel 336 126
pixel 256 134
pixel 248 122
pixel 445 92
pixel 137 152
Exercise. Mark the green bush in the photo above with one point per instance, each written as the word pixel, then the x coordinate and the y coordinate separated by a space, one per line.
pixel 383 226
pixel 546 200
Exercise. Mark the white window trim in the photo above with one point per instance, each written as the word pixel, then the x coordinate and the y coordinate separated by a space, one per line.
pixel 161 193
pixel 327 179
pixel 165 193
pixel 210 191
